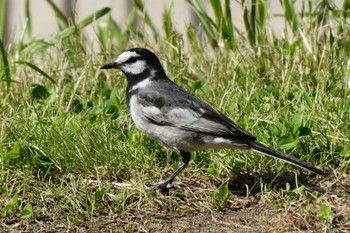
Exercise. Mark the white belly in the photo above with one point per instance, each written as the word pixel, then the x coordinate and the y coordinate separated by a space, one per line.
pixel 166 135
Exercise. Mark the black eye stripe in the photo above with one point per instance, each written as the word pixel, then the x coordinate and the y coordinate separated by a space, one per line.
pixel 132 60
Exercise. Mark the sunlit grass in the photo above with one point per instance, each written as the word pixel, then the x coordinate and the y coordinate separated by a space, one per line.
pixel 69 149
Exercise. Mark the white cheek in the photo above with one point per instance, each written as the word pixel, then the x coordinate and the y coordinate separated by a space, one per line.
pixel 134 68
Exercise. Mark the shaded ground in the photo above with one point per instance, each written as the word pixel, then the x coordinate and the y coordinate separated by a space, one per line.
pixel 253 212
pixel 243 220
pixel 249 219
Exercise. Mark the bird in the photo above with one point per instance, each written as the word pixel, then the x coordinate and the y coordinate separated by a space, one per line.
pixel 177 119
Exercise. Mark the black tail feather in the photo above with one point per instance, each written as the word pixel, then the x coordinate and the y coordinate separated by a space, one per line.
pixel 285 157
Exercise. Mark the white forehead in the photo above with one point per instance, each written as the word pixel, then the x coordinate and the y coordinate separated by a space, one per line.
pixel 126 56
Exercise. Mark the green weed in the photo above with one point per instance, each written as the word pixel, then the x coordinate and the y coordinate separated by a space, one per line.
pixel 69 150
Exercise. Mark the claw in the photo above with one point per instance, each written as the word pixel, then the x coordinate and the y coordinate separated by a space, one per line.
pixel 165 185
pixel 161 185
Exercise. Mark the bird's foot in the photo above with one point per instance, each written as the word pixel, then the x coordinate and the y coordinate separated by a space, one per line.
pixel 162 185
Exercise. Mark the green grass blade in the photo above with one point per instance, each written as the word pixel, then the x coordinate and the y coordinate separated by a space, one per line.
pixel 205 20
pixel 291 15
pixel 72 29
pixel 59 14
pixel 28 18
pixel 109 32
pixel 229 25
pixel 129 27
pixel 170 33
pixel 131 20
pixel 308 100
pixel 2 18
pixel 37 69
pixel 217 9
pixel 6 67
pixel 103 29
pixel 252 18
pixel 248 26
pixel 193 37
pixel 168 21
pixel 262 9
pixel 262 19
pixel 85 22
pixel 346 8
pixel 146 18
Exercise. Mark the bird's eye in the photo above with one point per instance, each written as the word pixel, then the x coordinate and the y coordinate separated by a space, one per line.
pixel 131 60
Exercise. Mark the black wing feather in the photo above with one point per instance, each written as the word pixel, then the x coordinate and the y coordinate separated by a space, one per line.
pixel 205 119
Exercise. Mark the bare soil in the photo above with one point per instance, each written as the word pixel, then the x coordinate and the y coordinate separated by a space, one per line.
pixel 252 212
pixel 240 220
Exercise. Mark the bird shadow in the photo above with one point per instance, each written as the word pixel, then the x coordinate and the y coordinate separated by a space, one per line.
pixel 254 184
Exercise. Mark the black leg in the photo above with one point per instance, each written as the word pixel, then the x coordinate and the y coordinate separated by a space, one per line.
pixel 163 184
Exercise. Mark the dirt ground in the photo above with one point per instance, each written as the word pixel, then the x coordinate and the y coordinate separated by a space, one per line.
pixel 254 217
pixel 240 220
pixel 242 214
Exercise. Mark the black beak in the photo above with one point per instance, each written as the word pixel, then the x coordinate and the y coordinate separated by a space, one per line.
pixel 112 65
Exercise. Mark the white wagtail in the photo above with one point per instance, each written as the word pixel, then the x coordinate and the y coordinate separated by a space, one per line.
pixel 177 119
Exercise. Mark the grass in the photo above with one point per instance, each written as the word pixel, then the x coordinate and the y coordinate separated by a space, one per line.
pixel 71 153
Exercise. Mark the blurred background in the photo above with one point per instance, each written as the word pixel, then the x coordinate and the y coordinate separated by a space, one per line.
pixel 41 18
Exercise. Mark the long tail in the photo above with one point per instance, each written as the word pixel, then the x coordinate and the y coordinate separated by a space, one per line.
pixel 279 155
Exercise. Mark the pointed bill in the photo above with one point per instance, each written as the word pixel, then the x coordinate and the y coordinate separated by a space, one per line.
pixel 112 65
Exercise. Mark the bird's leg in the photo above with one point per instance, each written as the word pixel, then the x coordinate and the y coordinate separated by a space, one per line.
pixel 165 184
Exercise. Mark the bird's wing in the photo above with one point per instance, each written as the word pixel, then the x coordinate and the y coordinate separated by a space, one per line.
pixel 214 115
pixel 189 113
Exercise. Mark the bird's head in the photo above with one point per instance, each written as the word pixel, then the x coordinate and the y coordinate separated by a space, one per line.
pixel 136 61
